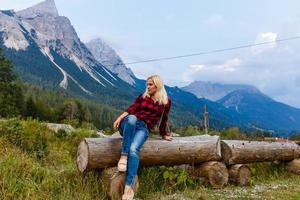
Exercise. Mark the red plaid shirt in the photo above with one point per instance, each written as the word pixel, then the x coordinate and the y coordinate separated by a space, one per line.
pixel 145 109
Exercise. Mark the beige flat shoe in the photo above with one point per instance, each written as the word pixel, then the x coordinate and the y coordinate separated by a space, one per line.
pixel 122 165
pixel 128 196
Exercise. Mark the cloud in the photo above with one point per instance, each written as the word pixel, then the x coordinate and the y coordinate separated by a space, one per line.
pixel 197 67
pixel 208 71
pixel 275 71
pixel 262 38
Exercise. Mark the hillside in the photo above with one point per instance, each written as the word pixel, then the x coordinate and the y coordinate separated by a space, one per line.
pixel 41 165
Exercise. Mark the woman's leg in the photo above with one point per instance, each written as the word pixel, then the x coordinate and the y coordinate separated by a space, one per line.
pixel 128 129
pixel 139 139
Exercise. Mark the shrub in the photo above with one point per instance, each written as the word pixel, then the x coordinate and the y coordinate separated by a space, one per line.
pixel 29 136
pixel 61 133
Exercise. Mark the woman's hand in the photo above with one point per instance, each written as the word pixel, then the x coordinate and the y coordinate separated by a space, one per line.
pixel 116 124
pixel 168 137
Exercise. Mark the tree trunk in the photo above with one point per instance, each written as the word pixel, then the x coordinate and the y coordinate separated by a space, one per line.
pixel 114 183
pixel 293 166
pixel 240 152
pixel 215 172
pixel 239 174
pixel 105 152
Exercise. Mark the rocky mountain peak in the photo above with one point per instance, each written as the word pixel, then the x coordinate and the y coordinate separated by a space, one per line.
pixel 216 91
pixel 45 7
pixel 108 57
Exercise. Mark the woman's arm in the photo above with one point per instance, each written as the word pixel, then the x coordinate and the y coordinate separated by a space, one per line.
pixel 119 119
pixel 163 129
pixel 130 110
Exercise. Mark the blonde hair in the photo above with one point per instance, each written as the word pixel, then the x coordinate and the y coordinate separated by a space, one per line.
pixel 161 94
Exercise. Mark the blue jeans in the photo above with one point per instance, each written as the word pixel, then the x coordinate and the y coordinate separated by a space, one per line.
pixel 135 133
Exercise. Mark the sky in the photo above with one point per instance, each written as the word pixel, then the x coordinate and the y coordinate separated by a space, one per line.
pixel 143 29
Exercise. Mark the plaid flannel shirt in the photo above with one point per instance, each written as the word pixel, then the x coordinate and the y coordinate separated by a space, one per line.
pixel 145 109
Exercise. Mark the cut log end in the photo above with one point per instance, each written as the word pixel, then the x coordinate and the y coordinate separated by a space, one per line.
pixel 240 174
pixel 114 183
pixel 218 148
pixel 294 166
pixel 226 153
pixel 82 156
pixel 215 172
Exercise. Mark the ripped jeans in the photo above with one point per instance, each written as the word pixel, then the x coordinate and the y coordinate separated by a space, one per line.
pixel 135 133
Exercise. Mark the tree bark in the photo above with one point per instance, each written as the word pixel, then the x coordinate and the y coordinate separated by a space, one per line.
pixel 239 174
pixel 105 152
pixel 293 166
pixel 215 172
pixel 240 152
pixel 114 183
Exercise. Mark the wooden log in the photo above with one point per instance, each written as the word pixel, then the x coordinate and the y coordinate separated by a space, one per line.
pixel 293 166
pixel 114 183
pixel 105 152
pixel 241 152
pixel 239 174
pixel 215 172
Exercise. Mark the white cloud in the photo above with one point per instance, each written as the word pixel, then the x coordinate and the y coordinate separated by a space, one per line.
pixel 263 38
pixel 230 65
pixel 275 71
pixel 208 71
pixel 197 67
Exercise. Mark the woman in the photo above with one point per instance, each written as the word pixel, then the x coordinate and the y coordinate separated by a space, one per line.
pixel 134 124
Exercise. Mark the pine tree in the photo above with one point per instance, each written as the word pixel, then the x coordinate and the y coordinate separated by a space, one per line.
pixel 30 108
pixel 11 94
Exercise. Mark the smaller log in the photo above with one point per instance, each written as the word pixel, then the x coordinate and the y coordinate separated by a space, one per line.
pixel 215 172
pixel 293 166
pixel 242 152
pixel 239 174
pixel 114 183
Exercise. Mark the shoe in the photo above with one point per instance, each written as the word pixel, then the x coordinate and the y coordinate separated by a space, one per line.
pixel 128 196
pixel 168 137
pixel 122 165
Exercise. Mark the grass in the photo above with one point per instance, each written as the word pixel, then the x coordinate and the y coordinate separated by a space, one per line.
pixel 36 163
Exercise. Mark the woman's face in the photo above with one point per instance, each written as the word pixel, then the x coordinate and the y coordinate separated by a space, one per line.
pixel 151 87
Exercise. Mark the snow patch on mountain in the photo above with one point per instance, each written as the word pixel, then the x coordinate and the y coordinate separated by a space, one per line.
pixel 105 78
pixel 64 82
pixel 77 61
pixel 109 74
pixel 81 87
pixel 110 59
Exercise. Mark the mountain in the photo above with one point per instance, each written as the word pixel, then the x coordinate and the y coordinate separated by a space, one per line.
pixel 213 91
pixel 260 111
pixel 190 108
pixel 110 59
pixel 46 49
